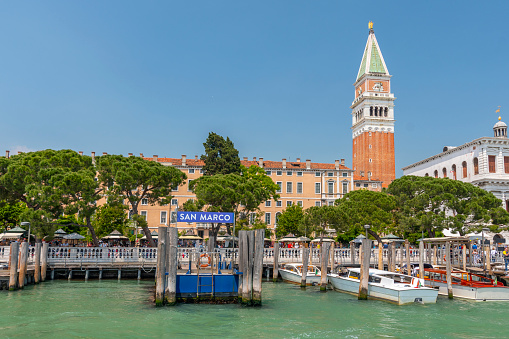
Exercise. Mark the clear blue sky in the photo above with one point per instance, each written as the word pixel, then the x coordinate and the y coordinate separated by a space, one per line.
pixel 275 76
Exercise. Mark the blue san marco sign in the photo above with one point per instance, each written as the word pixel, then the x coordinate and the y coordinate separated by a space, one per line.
pixel 210 217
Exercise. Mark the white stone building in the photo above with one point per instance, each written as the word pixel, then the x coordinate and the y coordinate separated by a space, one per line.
pixel 483 162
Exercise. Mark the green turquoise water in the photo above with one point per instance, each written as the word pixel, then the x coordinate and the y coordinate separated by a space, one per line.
pixel 111 309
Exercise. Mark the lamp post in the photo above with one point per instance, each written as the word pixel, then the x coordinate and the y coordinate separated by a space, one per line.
pixel 26 223
pixel 485 229
pixel 367 227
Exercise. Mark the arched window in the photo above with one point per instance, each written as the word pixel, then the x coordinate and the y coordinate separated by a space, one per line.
pixel 454 172
pixel 476 166
pixel 385 111
pixel 426 175
pixel 464 166
pixel 436 174
pixel 371 111
pixel 444 172
pixel 376 111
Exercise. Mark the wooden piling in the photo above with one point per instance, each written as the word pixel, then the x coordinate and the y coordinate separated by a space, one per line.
pixel 408 262
pixel 421 259
pixel 389 257
pixel 352 252
pixel 241 262
pixel 171 293
pixel 22 264
pixel 139 274
pixel 448 269
pixel 69 277
pixel 401 259
pixel 364 277
pixel 119 274
pixel 246 274
pixel 435 253
pixel 161 266
pixel 275 271
pixel 488 256
pixel 305 258
pixel 324 261
pixel 13 266
pixel 37 272
pixel 87 272
pixel 331 255
pixel 52 275
pixel 464 256
pixel 470 254
pixel 250 263
pixel 380 256
pixel 44 261
pixel 259 236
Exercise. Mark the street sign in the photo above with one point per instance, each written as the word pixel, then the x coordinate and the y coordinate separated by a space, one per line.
pixel 206 217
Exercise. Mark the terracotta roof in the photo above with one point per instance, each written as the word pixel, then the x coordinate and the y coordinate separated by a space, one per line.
pixel 266 164
pixel 357 177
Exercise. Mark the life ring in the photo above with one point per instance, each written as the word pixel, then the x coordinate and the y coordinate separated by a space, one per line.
pixel 206 256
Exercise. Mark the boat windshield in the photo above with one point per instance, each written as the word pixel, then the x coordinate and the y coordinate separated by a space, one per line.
pixel 403 279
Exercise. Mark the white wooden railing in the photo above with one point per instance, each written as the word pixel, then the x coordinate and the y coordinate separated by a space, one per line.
pixel 105 255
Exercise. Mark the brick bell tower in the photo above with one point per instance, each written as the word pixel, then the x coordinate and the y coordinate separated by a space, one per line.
pixel 373 117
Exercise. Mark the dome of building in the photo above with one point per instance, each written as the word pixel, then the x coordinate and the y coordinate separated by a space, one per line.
pixel 500 124
pixel 500 129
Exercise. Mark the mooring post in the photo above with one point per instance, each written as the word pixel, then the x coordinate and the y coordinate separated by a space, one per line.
pixel 324 262
pixel 421 259
pixel 352 252
pixel 52 276
pixel 393 260
pixel 23 264
pixel 435 253
pixel 86 275
pixel 119 274
pixel 44 261
pixel 448 267
pixel 401 260
pixel 246 252
pixel 139 274
pixel 464 255
pixel 37 272
pixel 364 278
pixel 13 266
pixel 305 258
pixel 488 257
pixel 380 256
pixel 470 254
pixel 171 293
pixel 259 236
pixel 250 268
pixel 161 266
pixel 390 256
pixel 331 255
pixel 275 271
pixel 70 275
pixel 100 273
pixel 242 241
pixel 408 262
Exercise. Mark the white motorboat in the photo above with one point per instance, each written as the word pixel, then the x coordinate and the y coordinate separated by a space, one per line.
pixel 292 273
pixel 383 285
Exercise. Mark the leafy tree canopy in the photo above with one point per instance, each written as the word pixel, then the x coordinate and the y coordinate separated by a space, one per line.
pixel 290 221
pixel 432 204
pixel 134 179
pixel 220 156
pixel 320 218
pixel 363 207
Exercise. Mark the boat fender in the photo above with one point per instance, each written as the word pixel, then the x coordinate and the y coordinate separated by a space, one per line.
pixel 205 255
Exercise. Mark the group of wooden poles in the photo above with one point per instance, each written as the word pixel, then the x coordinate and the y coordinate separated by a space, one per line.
pixel 18 264
pixel 327 256
pixel 250 267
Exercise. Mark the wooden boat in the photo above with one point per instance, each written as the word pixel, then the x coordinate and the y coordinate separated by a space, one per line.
pixel 383 285
pixel 292 273
pixel 467 285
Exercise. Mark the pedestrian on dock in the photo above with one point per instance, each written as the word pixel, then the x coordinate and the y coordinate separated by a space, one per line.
pixel 506 257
